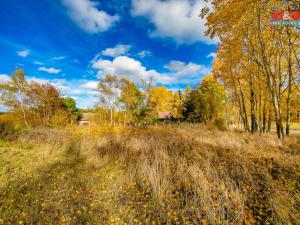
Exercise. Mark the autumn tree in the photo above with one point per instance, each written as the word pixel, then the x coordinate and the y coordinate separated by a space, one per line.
pixel 132 99
pixel 189 111
pixel 255 56
pixel 14 94
pixel 176 107
pixel 206 102
pixel 72 109
pixel 180 108
pixel 188 106
pixel 44 101
pixel 38 104
pixel 160 100
pixel 147 87
pixel 109 91
pixel 211 96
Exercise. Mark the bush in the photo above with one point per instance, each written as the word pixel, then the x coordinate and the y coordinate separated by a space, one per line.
pixel 7 131
pixel 220 123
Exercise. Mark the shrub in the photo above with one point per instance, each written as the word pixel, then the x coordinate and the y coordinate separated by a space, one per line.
pixel 8 131
pixel 220 123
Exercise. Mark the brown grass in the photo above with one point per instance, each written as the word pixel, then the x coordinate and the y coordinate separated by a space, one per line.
pixel 159 175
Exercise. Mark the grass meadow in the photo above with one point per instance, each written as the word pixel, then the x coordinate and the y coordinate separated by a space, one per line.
pixel 149 175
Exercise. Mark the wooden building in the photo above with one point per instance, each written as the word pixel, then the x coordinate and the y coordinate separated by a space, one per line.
pixel 85 119
pixel 165 116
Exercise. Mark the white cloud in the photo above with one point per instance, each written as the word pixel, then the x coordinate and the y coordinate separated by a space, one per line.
pixel 3 108
pixel 118 50
pixel 59 57
pixel 88 16
pixel 23 53
pixel 212 55
pixel 37 80
pixel 4 78
pixel 144 53
pixel 178 72
pixel 129 68
pixel 90 85
pixel 182 69
pixel 177 19
pixel 38 63
pixel 49 70
pixel 59 83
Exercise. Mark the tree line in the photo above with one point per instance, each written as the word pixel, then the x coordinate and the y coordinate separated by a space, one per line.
pixel 121 101
pixel 141 105
pixel 257 62
pixel 31 104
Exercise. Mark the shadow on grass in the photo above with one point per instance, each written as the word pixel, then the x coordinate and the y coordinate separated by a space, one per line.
pixel 61 193
pixel 255 177
pixel 57 194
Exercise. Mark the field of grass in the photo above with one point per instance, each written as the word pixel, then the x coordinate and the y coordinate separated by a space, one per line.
pixel 152 175
pixel 295 126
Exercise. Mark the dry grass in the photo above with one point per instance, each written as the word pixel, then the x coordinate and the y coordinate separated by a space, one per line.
pixel 150 175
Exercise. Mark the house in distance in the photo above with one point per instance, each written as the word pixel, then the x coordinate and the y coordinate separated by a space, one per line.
pixel 164 116
pixel 85 119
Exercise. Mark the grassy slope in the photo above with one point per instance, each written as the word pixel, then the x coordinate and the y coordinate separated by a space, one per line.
pixel 183 175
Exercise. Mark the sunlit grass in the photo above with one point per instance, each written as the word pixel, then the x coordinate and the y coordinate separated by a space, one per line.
pixel 154 175
pixel 295 126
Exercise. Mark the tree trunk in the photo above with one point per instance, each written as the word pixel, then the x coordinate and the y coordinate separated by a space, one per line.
pixel 261 109
pixel 244 110
pixel 242 113
pixel 290 77
pixel 24 116
pixel 111 116
pixel 125 118
pixel 252 106
pixel 278 121
pixel 226 108
pixel 269 121
pixel 264 117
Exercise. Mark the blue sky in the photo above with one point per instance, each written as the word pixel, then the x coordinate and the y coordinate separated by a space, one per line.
pixel 72 43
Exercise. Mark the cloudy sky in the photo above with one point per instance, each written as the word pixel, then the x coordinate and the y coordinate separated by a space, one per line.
pixel 73 43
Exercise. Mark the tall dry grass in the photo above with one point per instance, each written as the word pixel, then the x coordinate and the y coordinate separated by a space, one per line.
pixel 188 174
pixel 198 175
